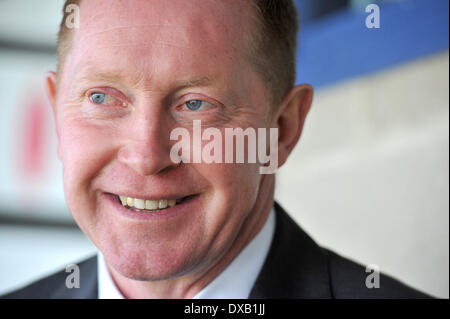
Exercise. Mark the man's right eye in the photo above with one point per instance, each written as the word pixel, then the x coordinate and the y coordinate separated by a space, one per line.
pixel 104 99
pixel 98 98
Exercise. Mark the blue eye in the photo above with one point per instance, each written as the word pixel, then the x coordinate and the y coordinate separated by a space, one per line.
pixel 194 105
pixel 105 99
pixel 98 98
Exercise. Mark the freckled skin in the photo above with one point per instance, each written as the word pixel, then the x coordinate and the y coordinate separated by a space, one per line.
pixel 148 46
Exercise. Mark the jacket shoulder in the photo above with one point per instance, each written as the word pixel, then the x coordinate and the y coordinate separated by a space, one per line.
pixel 296 267
pixel 348 280
pixel 54 285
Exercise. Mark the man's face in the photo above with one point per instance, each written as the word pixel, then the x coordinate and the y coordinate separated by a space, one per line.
pixel 125 84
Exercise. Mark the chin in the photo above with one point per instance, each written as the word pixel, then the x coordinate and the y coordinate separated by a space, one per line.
pixel 150 264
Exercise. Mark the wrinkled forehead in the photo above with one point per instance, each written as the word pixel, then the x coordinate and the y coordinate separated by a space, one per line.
pixel 220 27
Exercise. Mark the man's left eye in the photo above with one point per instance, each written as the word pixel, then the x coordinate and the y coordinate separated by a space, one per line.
pixel 195 105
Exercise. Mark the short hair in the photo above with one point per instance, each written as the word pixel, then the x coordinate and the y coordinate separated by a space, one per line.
pixel 273 52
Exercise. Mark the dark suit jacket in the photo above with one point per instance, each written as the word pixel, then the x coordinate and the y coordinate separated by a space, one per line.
pixel 296 267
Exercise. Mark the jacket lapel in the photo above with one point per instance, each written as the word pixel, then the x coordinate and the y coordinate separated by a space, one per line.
pixel 295 266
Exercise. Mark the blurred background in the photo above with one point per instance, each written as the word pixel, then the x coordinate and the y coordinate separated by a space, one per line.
pixel 369 178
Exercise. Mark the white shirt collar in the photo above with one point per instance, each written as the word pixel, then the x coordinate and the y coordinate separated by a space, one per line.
pixel 107 289
pixel 235 282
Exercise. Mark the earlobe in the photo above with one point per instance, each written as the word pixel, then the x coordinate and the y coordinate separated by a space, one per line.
pixel 291 119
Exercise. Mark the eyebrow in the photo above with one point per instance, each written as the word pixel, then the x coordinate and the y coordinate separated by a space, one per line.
pixel 92 75
pixel 196 81
pixel 100 77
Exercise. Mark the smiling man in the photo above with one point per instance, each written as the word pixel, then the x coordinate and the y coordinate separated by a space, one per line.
pixel 134 71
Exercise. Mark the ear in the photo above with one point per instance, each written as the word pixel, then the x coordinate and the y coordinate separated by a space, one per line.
pixel 290 119
pixel 50 89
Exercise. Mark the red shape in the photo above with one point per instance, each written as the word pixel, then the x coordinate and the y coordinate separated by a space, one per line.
pixel 33 134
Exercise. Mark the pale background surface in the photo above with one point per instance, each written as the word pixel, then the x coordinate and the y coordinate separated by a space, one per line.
pixel 369 178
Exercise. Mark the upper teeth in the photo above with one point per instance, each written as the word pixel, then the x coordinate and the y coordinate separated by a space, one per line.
pixel 147 204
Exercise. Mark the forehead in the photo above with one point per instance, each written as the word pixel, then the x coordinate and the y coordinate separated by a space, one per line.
pixel 153 37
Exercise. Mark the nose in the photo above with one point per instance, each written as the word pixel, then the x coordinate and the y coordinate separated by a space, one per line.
pixel 146 149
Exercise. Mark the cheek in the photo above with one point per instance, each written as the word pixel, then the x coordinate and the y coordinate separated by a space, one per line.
pixel 239 179
pixel 84 150
pixel 234 188
pixel 233 193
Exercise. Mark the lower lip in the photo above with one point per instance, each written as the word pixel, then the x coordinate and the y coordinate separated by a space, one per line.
pixel 190 204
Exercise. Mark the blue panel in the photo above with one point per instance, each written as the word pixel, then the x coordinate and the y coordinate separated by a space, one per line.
pixel 340 46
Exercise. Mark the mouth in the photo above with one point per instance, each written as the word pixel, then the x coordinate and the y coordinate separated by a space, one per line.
pixel 150 206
